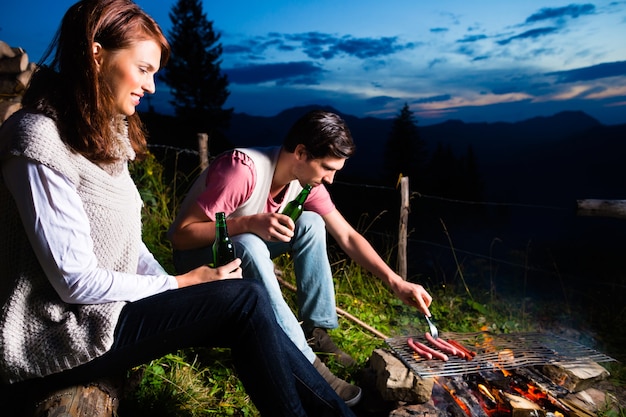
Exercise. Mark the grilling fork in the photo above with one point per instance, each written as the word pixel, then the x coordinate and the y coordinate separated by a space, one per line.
pixel 433 329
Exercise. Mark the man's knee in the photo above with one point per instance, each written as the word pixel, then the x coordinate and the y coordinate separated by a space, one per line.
pixel 250 245
pixel 311 223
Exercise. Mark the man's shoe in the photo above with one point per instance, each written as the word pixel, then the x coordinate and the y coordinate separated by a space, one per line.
pixel 320 342
pixel 351 394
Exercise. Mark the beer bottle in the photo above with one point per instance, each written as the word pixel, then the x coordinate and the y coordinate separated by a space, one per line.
pixel 294 208
pixel 223 248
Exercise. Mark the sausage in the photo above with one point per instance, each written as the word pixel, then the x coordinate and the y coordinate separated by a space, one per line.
pixel 442 345
pixel 468 353
pixel 424 354
pixel 436 354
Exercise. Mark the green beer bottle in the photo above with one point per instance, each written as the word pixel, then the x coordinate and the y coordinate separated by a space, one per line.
pixel 223 248
pixel 294 208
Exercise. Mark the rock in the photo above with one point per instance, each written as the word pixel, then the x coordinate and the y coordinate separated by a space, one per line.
pixel 396 382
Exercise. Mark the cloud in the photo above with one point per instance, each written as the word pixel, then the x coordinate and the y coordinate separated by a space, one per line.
pixel 594 72
pixel 288 73
pixel 556 15
pixel 436 61
pixel 380 101
pixel 472 38
pixel 365 48
pixel 559 13
pixel 324 46
pixel 432 99
pixel 318 45
pixel 530 34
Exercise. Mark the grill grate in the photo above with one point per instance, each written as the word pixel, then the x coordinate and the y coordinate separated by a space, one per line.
pixel 496 352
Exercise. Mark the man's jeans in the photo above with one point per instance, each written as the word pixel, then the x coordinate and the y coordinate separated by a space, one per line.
pixel 315 288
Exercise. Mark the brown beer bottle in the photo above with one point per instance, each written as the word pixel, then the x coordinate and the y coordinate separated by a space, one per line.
pixel 294 208
pixel 223 247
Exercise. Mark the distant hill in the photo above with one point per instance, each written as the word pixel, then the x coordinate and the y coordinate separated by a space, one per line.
pixel 556 158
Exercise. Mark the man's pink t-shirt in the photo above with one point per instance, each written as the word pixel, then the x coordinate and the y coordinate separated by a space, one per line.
pixel 230 180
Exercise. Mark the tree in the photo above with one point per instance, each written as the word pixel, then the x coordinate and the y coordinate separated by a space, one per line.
pixel 405 152
pixel 193 73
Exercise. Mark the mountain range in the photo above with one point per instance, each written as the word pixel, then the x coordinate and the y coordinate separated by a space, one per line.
pixel 569 155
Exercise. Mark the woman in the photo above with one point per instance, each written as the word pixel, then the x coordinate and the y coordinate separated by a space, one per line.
pixel 81 295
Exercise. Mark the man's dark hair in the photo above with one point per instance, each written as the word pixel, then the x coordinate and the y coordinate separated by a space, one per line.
pixel 322 133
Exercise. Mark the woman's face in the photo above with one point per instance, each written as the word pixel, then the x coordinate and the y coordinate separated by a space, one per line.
pixel 129 72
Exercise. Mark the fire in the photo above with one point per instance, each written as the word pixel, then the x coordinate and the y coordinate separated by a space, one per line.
pixel 454 397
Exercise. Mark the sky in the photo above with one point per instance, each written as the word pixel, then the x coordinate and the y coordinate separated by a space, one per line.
pixel 476 61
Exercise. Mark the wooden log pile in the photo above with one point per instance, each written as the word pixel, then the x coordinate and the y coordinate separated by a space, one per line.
pixel 15 73
pixel 573 390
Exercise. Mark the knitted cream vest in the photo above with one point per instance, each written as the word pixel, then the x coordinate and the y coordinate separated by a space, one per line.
pixel 39 333
pixel 265 160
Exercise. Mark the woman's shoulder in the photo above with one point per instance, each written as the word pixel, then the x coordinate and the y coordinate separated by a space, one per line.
pixel 26 123
pixel 26 129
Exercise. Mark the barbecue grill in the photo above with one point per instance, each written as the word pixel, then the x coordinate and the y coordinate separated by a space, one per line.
pixel 496 352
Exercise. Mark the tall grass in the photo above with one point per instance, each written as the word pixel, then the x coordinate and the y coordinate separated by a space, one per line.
pixel 202 382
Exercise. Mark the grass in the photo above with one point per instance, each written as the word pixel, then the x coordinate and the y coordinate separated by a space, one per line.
pixel 202 382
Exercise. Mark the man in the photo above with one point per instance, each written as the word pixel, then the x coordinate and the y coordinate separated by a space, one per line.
pixel 252 186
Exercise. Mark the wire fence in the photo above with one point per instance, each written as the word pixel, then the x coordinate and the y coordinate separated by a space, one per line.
pixel 531 243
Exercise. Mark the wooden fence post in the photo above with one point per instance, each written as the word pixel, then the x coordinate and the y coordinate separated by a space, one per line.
pixel 607 208
pixel 203 149
pixel 402 232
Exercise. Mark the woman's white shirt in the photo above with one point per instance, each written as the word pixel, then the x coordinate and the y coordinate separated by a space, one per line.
pixel 58 229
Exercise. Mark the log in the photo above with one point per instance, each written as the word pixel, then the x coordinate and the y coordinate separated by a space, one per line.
pixel 23 78
pixel 9 86
pixel 521 407
pixel 7 108
pixel 6 50
pixel 40 398
pixel 605 208
pixel 576 376
pixel 82 400
pixel 14 65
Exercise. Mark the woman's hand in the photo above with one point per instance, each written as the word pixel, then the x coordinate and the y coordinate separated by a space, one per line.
pixel 205 273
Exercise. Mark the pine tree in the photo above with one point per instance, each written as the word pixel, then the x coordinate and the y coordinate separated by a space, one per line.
pixel 405 152
pixel 193 73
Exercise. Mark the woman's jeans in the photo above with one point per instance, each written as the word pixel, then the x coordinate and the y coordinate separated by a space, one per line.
pixel 229 313
pixel 315 288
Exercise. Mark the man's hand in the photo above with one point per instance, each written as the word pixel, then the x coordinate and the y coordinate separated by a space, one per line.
pixel 412 294
pixel 272 226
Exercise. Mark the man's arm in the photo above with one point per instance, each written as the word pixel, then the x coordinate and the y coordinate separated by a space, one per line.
pixel 362 252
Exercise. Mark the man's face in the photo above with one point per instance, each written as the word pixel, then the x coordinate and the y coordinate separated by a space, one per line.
pixel 319 171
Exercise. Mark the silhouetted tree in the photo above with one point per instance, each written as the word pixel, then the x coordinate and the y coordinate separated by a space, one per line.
pixel 473 186
pixel 454 177
pixel 197 84
pixel 405 152
pixel 443 172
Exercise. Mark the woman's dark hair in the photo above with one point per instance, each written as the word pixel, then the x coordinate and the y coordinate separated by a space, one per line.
pixel 322 133
pixel 69 89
